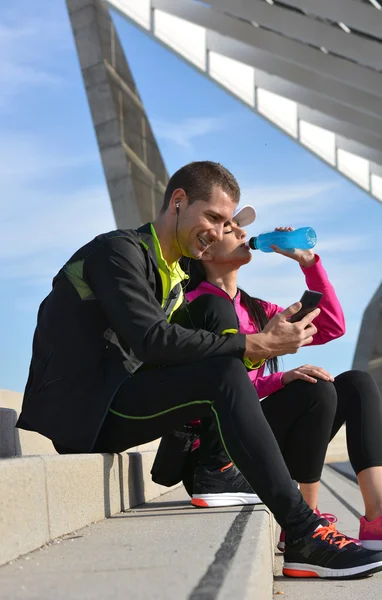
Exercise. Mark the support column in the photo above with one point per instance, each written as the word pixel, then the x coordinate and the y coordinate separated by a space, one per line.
pixel 368 354
pixel 134 169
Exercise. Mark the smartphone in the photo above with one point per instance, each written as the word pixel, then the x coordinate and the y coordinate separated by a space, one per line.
pixel 309 301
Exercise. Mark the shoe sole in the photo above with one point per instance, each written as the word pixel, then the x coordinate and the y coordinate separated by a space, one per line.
pixel 227 499
pixel 306 570
pixel 371 544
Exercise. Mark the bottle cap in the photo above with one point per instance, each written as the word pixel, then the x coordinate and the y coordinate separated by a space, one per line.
pixel 252 243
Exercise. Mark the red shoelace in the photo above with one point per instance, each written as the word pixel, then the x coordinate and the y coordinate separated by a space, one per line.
pixel 330 534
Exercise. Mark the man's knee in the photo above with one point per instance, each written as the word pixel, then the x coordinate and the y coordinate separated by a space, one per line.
pixel 221 377
pixel 225 368
pixel 211 312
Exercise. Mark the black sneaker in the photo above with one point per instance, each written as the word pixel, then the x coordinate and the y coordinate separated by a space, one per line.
pixel 222 487
pixel 325 552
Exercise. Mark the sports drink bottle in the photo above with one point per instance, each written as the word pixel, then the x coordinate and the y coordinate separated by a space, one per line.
pixel 303 238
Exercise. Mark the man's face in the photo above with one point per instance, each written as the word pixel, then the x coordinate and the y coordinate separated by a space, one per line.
pixel 203 223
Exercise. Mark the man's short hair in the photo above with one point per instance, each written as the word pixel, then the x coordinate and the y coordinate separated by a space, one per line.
pixel 197 179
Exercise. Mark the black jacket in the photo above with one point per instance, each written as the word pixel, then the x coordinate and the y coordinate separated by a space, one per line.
pixel 109 291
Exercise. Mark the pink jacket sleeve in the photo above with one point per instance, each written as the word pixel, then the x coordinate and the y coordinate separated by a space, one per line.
pixel 330 322
pixel 266 384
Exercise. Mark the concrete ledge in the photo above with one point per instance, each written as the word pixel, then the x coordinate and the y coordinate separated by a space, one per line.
pixel 17 442
pixel 45 497
pixel 24 513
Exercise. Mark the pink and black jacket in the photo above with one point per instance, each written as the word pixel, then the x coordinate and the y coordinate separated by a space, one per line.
pixel 330 322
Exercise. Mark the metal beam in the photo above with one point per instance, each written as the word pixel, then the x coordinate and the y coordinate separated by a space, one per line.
pixel 372 145
pixel 345 116
pixel 330 67
pixel 349 117
pixel 354 147
pixel 326 88
pixel 354 14
pixel 305 29
pixel 376 169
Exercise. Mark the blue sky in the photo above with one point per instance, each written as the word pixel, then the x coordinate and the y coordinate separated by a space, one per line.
pixel 54 197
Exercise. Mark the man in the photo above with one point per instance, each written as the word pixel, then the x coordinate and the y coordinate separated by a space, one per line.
pixel 109 371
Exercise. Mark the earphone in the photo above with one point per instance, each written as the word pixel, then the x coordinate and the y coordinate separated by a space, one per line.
pixel 177 204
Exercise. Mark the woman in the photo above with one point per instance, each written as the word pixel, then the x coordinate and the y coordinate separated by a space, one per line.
pixel 306 406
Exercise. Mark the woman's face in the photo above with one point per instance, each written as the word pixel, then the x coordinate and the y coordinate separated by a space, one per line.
pixel 231 250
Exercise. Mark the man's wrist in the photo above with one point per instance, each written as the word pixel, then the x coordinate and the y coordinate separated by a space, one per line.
pixel 257 347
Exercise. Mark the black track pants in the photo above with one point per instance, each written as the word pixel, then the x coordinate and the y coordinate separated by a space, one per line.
pixel 154 402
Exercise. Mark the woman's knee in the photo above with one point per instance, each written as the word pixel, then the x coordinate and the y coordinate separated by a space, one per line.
pixel 322 394
pixel 356 378
pixel 358 386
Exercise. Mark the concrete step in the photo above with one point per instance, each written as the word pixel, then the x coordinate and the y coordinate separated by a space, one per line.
pixel 164 550
pixel 44 497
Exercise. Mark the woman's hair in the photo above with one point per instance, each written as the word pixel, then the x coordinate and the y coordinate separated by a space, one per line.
pixel 257 314
pixel 254 306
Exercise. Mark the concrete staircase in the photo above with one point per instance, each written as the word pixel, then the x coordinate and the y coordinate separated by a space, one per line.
pixel 95 526
pixel 167 550
pixel 44 495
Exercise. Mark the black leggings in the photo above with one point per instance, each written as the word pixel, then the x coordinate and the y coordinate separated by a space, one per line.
pixel 304 417
pixel 154 402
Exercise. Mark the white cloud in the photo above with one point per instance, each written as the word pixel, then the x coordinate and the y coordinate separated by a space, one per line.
pixel 339 243
pixel 18 75
pixel 276 195
pixel 289 204
pixel 33 249
pixel 56 221
pixel 27 157
pixel 26 58
pixel 182 133
pixel 46 215
pixel 295 204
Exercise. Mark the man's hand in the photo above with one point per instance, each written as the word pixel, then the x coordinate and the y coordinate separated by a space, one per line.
pixel 306 373
pixel 306 258
pixel 280 337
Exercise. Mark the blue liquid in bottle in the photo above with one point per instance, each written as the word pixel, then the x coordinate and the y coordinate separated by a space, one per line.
pixel 303 238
